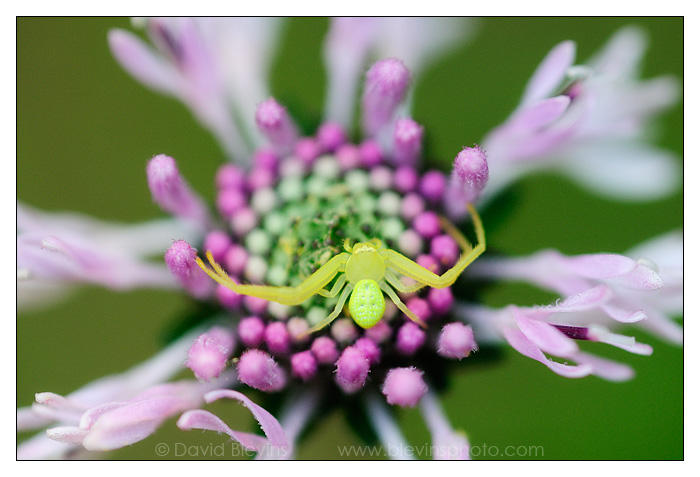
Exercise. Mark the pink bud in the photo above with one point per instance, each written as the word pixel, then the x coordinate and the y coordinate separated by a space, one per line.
pixel 445 249
pixel 304 365
pixel 440 300
pixel 405 179
pixel 409 338
pixel 456 341
pixel 217 242
pixel 427 224
pixel 404 387
pixel 351 370
pixel 470 172
pixel 369 348
pixel 307 150
pixel 408 139
pixel 432 186
pixel 325 350
pixel 380 332
pixel 330 136
pixel 251 331
pixel 274 122
pixel 208 354
pixel 171 192
pixel 277 337
pixel 385 87
pixel 180 259
pixel 370 153
pixel 259 370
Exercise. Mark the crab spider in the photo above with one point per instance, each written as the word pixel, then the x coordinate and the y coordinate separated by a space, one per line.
pixel 367 270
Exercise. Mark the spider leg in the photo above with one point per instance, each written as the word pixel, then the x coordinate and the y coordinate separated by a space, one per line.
pixel 400 305
pixel 396 283
pixel 284 295
pixel 411 269
pixel 335 289
pixel 334 314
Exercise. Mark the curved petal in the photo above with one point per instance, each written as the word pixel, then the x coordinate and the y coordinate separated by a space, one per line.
pixel 68 434
pixel 550 73
pixel 604 368
pixel 200 419
pixel 621 55
pixel 600 265
pixel 545 336
pixel 279 444
pixel 133 422
pixel 524 346
pixel 144 63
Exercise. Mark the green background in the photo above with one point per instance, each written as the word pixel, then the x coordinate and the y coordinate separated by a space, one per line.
pixel 85 130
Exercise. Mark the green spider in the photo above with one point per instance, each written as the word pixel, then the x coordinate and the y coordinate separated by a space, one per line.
pixel 368 269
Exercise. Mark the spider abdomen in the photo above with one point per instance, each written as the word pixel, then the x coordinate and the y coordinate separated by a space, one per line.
pixel 366 303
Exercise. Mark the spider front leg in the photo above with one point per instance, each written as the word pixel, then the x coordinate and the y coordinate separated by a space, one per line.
pixel 411 269
pixel 394 281
pixel 284 295
pixel 335 289
pixel 336 311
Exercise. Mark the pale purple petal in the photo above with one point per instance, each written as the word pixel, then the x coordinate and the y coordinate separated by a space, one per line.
pixel 535 116
pixel 144 63
pixel 297 413
pixel 622 313
pixel 419 41
pixel 545 336
pixel 526 347
pixel 586 300
pixel 91 415
pixel 346 47
pixel 623 170
pixel 666 251
pixel 386 84
pixel 622 54
pixel 142 239
pixel 600 266
pixel 77 259
pixel 604 368
pixel 664 327
pixel 641 278
pixel 386 428
pixel 628 343
pixel 200 419
pixel 68 434
pixel 39 447
pixel 270 426
pixel 244 49
pixel 447 444
pixel 124 425
pixel 28 420
pixel 550 73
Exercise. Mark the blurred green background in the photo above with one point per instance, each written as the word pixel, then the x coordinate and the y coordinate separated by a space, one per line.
pixel 85 130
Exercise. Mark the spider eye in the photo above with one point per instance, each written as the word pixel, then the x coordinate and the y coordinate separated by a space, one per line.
pixel 366 303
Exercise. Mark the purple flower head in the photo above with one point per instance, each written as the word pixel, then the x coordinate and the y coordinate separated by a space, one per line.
pixel 342 266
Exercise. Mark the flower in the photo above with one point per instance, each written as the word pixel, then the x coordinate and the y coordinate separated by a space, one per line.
pixel 285 210
pixel 589 122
